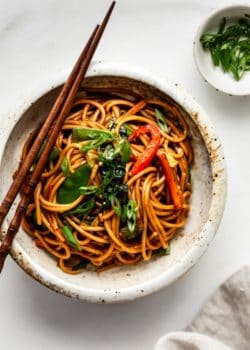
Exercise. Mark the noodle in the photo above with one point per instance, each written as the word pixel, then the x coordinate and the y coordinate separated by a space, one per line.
pixel 108 229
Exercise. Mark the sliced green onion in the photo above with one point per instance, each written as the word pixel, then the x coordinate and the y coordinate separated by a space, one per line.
pixel 116 205
pixel 129 130
pixel 161 121
pixel 109 152
pixel 123 148
pixel 131 208
pixel 131 224
pixel 82 209
pixel 230 46
pixel 87 190
pixel 131 215
pixel 124 213
pixel 128 235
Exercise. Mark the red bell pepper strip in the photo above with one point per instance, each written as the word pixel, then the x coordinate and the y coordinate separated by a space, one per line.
pixel 171 181
pixel 136 108
pixel 147 156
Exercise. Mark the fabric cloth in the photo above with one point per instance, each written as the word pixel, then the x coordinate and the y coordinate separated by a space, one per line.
pixel 189 341
pixel 224 322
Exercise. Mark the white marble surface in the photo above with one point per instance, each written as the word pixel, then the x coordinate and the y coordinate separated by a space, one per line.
pixel 40 41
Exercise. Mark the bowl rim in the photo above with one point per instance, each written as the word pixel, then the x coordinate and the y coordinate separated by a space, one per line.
pixel 199 31
pixel 218 167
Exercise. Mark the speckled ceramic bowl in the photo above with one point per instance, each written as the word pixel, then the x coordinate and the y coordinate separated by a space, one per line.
pixel 207 201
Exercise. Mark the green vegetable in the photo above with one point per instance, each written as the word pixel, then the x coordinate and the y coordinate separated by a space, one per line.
pixel 69 191
pixel 53 154
pixel 87 190
pixel 107 178
pixel 83 134
pixel 95 143
pixel 129 130
pixel 112 182
pixel 230 46
pixel 164 251
pixel 108 152
pixel 161 121
pixel 65 167
pixel 123 148
pixel 131 208
pixel 97 137
pixel 124 213
pixel 131 216
pixel 116 205
pixel 126 152
pixel 119 148
pixel 70 238
pixel 127 235
pixel 84 209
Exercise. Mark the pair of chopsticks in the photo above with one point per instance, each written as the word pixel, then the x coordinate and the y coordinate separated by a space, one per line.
pixel 48 135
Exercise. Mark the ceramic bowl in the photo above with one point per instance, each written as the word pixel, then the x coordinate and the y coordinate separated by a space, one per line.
pixel 214 75
pixel 207 200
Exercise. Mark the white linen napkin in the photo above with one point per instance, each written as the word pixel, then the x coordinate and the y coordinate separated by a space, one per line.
pixel 189 341
pixel 224 322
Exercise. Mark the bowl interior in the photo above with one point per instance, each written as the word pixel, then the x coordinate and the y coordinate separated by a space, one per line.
pixel 118 278
pixel 215 75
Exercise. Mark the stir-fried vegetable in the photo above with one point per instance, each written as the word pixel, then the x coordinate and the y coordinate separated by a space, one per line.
pixel 70 238
pixel 83 209
pixel 161 121
pixel 116 205
pixel 65 167
pixel 128 215
pixel 69 191
pixel 83 134
pixel 97 137
pixel 147 156
pixel 94 144
pixel 122 148
pixel 128 235
pixel 164 251
pixel 126 130
pixel 171 181
pixel 230 46
pixel 87 190
pixel 112 186
pixel 53 154
pixel 131 215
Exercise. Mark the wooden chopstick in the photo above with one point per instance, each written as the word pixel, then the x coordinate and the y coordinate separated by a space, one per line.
pixel 42 135
pixel 65 102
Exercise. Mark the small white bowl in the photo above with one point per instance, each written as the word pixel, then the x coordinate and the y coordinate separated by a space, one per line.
pixel 207 200
pixel 215 76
